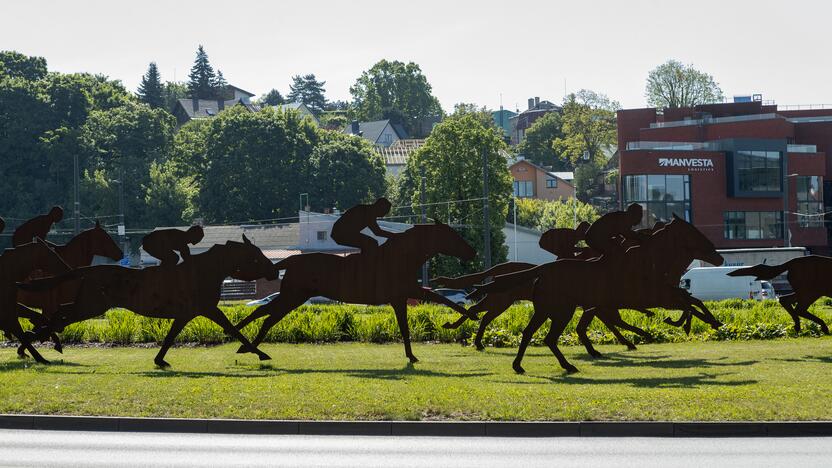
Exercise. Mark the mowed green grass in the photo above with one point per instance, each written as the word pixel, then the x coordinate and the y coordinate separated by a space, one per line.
pixel 786 379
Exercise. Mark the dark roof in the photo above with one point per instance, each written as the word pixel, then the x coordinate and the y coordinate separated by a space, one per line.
pixel 207 108
pixel 372 130
pixel 275 236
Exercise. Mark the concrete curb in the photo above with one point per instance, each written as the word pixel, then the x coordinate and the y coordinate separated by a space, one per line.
pixel 422 428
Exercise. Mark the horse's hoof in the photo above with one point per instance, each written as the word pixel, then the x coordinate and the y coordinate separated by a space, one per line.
pixel 160 363
pixel 631 347
pixel 59 348
pixel 596 355
pixel 22 355
pixel 570 369
pixel 42 361
pixel 413 359
pixel 518 369
pixel 447 325
pixel 263 356
pixel 242 350
pixel 479 346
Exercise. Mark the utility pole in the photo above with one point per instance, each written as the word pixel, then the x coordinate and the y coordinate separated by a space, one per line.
pixel 515 227
pixel 76 210
pixel 424 221
pixel 485 218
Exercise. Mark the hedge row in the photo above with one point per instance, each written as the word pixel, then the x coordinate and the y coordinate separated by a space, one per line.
pixel 744 320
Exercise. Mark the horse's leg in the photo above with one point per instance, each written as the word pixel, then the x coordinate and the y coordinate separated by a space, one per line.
pixel 802 310
pixel 37 320
pixel 537 320
pixel 474 309
pixel 220 319
pixel 400 308
pixel 582 330
pixel 703 312
pixel 484 322
pixel 15 329
pixel 612 320
pixel 559 323
pixel 261 311
pixel 638 331
pixel 281 308
pixel 175 328
pixel 788 302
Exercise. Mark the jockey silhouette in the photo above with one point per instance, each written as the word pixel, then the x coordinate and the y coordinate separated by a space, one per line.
pixel 604 235
pixel 38 226
pixel 164 243
pixel 347 230
pixel 562 241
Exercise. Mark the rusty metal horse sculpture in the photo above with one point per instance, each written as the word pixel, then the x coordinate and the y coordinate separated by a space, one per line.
pixel 809 277
pixel 627 280
pixel 385 275
pixel 181 292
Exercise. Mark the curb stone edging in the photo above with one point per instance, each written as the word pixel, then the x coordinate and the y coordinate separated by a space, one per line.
pixel 422 428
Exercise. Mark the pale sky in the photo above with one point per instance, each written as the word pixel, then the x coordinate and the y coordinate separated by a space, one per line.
pixel 470 51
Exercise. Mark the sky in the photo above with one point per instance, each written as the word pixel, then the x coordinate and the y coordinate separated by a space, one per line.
pixel 482 52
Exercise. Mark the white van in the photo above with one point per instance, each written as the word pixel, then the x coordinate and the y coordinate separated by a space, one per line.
pixel 714 284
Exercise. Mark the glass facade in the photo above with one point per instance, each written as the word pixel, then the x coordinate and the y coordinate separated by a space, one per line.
pixel 758 171
pixel 660 195
pixel 810 201
pixel 523 188
pixel 753 225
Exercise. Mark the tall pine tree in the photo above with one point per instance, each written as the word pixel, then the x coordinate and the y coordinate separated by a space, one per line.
pixel 220 86
pixel 308 90
pixel 202 78
pixel 150 90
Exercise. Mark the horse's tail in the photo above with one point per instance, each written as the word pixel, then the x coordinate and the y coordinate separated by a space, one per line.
pixel 761 272
pixel 474 278
pixel 44 284
pixel 508 281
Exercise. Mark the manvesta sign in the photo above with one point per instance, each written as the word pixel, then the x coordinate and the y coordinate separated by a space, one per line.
pixel 692 164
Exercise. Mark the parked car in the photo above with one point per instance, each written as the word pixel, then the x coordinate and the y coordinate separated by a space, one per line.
pixel 455 295
pixel 263 301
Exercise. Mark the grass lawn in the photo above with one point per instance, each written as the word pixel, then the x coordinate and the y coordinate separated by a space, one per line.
pixel 786 379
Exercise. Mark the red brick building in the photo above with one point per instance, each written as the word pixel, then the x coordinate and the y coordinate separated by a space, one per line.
pixel 724 167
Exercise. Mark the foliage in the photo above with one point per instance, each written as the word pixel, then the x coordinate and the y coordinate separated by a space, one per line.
pixel 272 98
pixel 202 78
pixel 334 121
pixel 169 199
pixel 16 65
pixel 256 163
pixel 543 215
pixel 452 161
pixel 308 90
pixel 588 127
pixel 394 85
pixel 150 89
pixel 673 84
pixel 537 146
pixel 172 92
pixel 347 171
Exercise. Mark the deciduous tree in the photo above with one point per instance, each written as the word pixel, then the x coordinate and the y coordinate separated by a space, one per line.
pixel 673 84
pixel 537 146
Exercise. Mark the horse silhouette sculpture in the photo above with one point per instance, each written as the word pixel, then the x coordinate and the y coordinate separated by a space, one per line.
pixel 383 275
pixel 181 292
pixel 78 252
pixel 809 277
pixel 631 279
pixel 16 265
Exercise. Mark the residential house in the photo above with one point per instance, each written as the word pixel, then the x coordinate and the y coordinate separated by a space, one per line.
pixel 186 110
pixel 533 181
pixel 396 155
pixel 502 119
pixel 524 245
pixel 380 132
pixel 518 124
pixel 300 108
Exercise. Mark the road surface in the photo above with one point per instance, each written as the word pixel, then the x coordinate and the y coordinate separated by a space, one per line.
pixel 76 449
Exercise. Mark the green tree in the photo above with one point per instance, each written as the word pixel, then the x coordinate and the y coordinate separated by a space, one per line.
pixel 256 164
pixel 345 170
pixel 673 84
pixel 169 199
pixel 452 161
pixel 16 65
pixel 220 87
pixel 537 146
pixel 334 121
pixel 150 89
pixel 308 90
pixel 202 78
pixel 172 92
pixel 588 127
pixel 394 85
pixel 272 98
pixel 543 215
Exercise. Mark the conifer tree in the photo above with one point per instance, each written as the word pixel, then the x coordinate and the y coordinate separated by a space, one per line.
pixel 150 90
pixel 220 86
pixel 201 79
pixel 308 90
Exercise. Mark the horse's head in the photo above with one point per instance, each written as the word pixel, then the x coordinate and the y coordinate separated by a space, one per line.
pixel 693 241
pixel 100 243
pixel 448 242
pixel 249 262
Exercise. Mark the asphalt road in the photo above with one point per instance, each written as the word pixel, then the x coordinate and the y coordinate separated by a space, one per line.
pixel 75 449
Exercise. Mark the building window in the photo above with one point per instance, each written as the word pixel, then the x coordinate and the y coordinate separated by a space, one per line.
pixel 551 183
pixel 810 201
pixel 660 195
pixel 758 171
pixel 753 225
pixel 321 235
pixel 523 188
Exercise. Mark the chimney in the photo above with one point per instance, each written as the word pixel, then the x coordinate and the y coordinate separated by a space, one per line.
pixel 355 127
pixel 531 103
pixel 536 102
pixel 195 103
